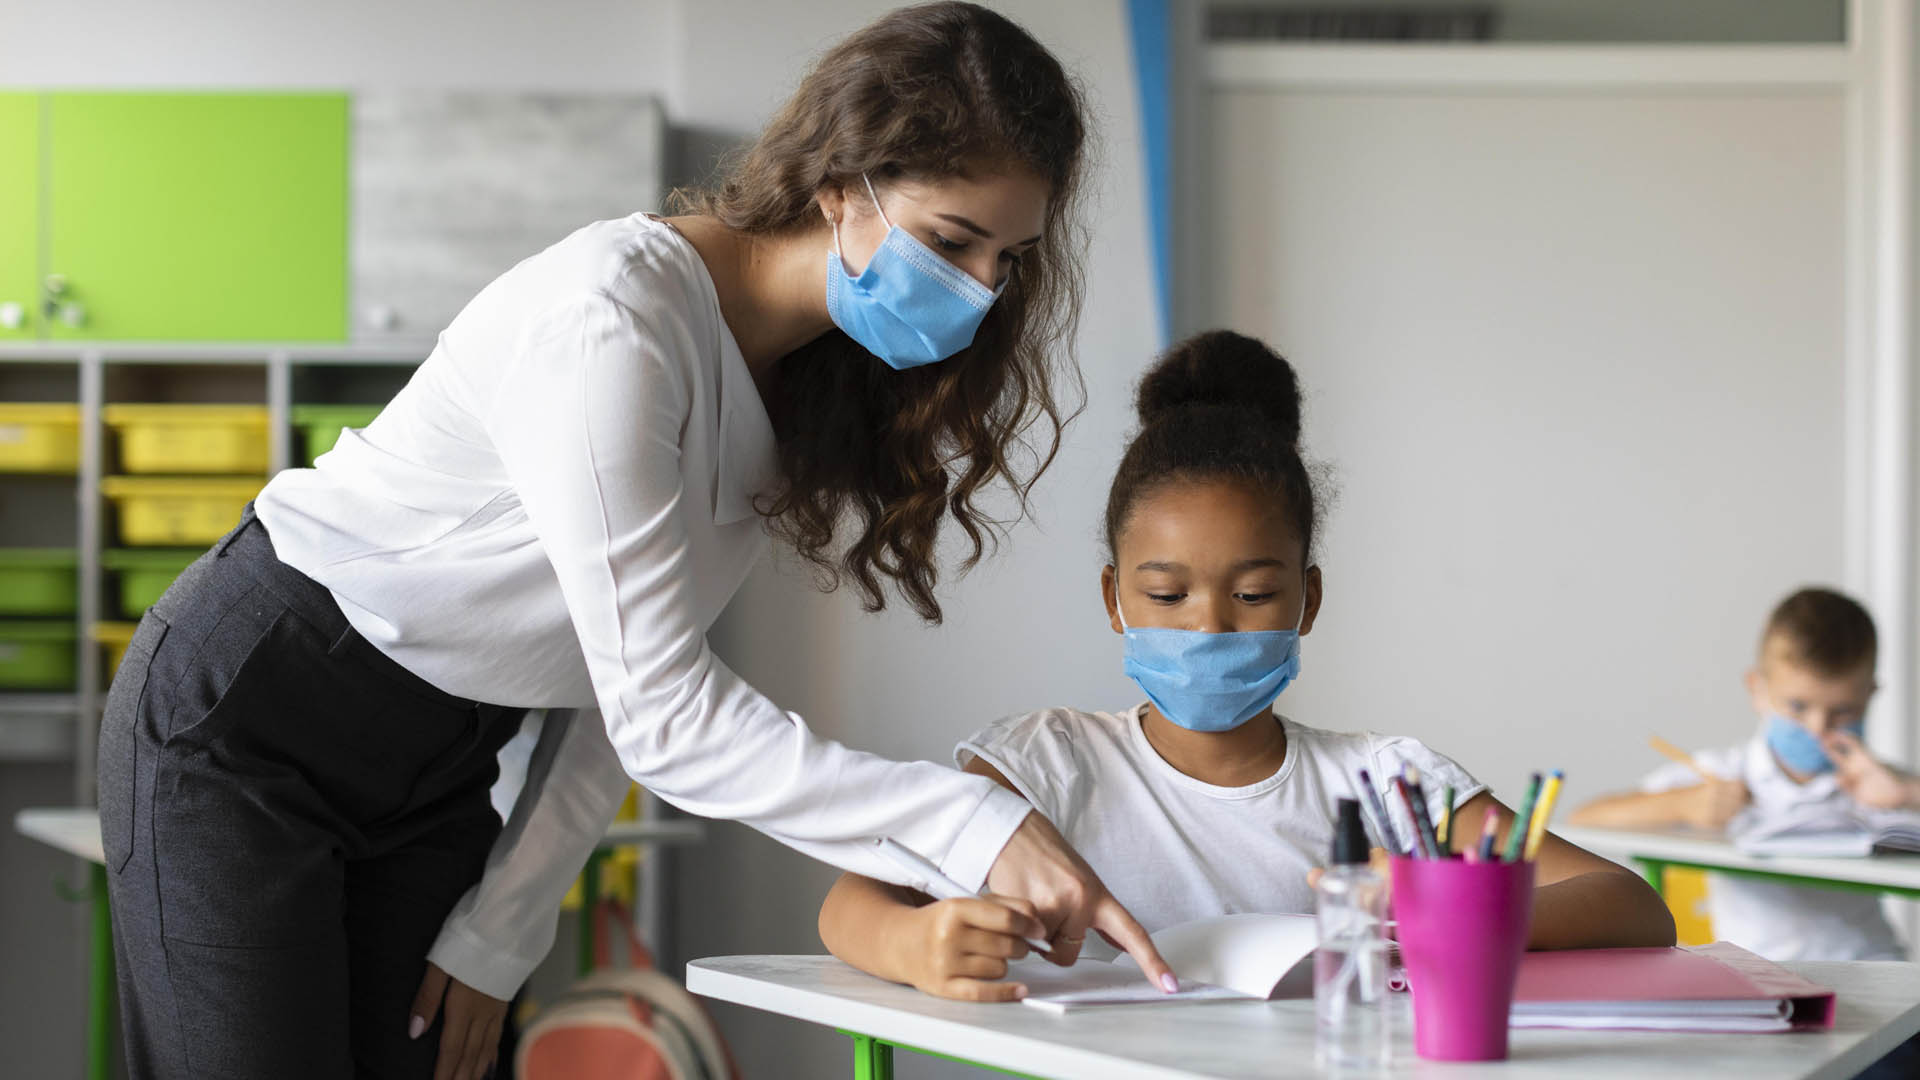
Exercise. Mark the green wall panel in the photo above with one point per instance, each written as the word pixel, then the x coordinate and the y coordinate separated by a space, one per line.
pixel 20 209
pixel 200 217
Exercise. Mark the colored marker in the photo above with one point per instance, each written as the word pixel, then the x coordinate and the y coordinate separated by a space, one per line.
pixel 1489 834
pixel 1376 832
pixel 1537 831
pixel 1422 842
pixel 1422 818
pixel 1387 834
pixel 1517 836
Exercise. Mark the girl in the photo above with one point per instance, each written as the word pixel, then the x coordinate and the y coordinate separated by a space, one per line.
pixel 1202 800
pixel 838 345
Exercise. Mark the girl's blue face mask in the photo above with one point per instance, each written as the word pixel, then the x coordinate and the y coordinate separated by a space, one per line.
pixel 909 306
pixel 1797 748
pixel 1212 682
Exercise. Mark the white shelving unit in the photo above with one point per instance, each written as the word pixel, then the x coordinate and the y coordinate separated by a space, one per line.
pixel 65 726
pixel 56 726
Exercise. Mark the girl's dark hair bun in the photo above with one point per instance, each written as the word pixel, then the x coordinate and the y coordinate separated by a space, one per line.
pixel 1219 406
pixel 1228 370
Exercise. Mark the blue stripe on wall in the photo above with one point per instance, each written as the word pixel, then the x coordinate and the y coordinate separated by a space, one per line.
pixel 1150 26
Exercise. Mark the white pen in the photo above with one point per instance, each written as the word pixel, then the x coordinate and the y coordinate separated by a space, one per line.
pixel 927 877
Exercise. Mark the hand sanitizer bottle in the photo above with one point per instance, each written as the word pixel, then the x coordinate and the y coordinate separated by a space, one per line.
pixel 1350 966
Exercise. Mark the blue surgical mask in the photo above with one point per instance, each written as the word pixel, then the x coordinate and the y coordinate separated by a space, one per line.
pixel 909 306
pixel 1212 682
pixel 1796 747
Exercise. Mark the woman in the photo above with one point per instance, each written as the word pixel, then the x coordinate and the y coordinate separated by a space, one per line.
pixel 841 345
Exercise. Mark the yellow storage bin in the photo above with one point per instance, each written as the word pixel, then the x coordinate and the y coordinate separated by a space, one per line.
pixel 116 636
pixel 39 437
pixel 172 510
pixel 190 438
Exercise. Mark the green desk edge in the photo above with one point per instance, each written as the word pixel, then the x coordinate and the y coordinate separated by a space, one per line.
pixel 1655 871
pixel 873 1058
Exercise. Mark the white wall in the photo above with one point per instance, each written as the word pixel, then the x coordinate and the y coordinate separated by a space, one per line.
pixel 1577 361
pixel 575 45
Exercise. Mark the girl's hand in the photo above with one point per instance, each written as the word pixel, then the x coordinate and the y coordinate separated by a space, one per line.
pixel 470 1039
pixel 959 948
pixel 1376 862
pixel 1716 801
pixel 1870 781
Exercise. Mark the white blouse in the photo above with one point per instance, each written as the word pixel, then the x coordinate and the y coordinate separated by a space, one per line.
pixel 552 513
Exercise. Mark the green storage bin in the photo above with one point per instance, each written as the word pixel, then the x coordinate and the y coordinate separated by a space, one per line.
pixel 321 424
pixel 39 581
pixel 145 573
pixel 38 655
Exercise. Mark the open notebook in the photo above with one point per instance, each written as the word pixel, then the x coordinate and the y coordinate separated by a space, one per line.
pixel 1833 832
pixel 1232 957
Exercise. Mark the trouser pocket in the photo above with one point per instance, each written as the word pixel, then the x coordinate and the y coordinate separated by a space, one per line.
pixel 119 762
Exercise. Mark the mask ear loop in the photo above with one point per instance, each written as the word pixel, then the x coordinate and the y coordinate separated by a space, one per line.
pixel 834 219
pixel 876 202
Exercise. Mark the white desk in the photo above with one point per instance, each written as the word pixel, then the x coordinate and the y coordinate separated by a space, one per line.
pixel 1656 849
pixel 74 830
pixel 1878 1009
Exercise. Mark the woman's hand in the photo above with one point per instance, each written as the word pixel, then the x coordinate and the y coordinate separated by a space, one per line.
pixel 470 1038
pixel 1377 861
pixel 959 948
pixel 1037 865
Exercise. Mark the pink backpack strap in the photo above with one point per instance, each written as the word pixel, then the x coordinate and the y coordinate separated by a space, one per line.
pixel 612 918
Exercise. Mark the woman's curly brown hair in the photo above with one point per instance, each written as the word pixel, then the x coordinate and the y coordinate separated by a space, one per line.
pixel 925 93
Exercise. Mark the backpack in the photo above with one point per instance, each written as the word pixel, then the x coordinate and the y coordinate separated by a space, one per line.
pixel 631 1024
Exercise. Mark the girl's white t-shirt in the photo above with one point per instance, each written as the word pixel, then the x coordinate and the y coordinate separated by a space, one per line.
pixel 1172 848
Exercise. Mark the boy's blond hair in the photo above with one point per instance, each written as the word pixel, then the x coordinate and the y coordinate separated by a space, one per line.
pixel 1823 630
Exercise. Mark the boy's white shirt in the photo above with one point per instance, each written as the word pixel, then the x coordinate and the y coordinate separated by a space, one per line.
pixel 1784 922
pixel 1174 849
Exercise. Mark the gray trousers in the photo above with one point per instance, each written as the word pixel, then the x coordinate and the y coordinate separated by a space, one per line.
pixel 288 816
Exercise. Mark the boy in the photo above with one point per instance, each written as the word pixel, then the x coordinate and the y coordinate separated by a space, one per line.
pixel 1810 688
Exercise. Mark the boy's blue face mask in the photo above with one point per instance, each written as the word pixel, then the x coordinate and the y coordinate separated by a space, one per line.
pixel 1797 748
pixel 909 306
pixel 1212 682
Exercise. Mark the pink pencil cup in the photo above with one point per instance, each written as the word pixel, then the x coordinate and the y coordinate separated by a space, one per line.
pixel 1463 928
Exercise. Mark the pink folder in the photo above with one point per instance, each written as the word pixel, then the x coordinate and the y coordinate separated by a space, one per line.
pixel 1718 987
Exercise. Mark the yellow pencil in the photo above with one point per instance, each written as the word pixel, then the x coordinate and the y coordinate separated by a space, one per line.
pixel 1671 751
pixel 1542 811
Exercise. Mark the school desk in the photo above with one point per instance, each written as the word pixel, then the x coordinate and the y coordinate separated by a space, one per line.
pixel 1656 849
pixel 1878 1008
pixel 76 831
